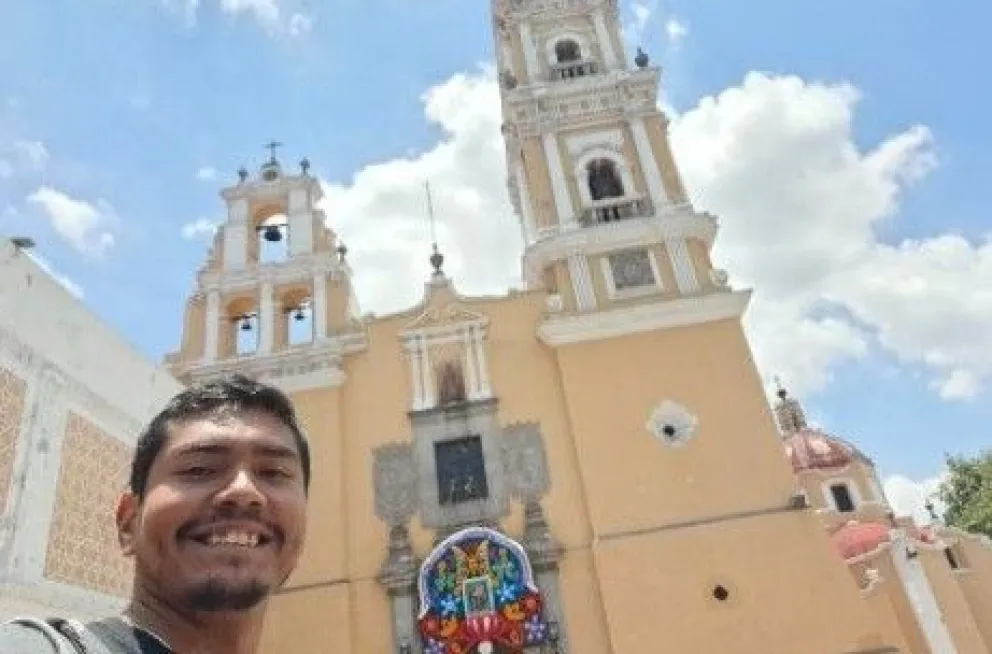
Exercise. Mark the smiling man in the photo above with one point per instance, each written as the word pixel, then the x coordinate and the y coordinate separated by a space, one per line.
pixel 214 518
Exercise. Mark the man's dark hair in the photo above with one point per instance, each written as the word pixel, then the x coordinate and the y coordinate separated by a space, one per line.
pixel 228 396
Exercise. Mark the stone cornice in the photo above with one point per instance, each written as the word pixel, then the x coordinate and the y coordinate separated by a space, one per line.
pixel 551 106
pixel 298 269
pixel 559 242
pixel 295 369
pixel 598 325
pixel 512 12
pixel 277 188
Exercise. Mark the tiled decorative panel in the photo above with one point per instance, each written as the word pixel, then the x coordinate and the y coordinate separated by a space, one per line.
pixel 13 391
pixel 82 544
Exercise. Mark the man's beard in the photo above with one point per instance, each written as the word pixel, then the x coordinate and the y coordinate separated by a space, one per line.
pixel 217 595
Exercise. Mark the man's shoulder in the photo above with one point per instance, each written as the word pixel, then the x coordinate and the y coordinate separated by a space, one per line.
pixel 33 636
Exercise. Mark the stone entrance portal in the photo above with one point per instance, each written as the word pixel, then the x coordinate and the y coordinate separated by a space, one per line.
pixel 477 595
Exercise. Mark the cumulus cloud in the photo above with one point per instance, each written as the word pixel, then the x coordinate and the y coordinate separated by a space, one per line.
pixel 85 226
pixel 22 157
pixel 676 31
pixel 274 16
pixel 800 203
pixel 197 228
pixel 909 497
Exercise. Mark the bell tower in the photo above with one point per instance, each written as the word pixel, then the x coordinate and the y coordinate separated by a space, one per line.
pixel 274 299
pixel 608 229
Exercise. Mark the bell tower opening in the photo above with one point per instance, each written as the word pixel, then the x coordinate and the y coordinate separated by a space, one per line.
pixel 604 180
pixel 299 322
pixel 273 239
pixel 243 328
pixel 567 51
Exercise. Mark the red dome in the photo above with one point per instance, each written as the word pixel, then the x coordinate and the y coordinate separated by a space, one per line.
pixel 857 538
pixel 808 449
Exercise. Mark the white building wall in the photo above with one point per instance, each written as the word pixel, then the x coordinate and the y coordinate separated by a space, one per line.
pixel 69 360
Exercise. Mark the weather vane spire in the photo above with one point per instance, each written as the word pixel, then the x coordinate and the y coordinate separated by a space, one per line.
pixel 437 259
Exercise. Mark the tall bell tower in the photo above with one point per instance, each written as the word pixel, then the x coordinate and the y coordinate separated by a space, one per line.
pixel 605 218
pixel 274 299
pixel 695 526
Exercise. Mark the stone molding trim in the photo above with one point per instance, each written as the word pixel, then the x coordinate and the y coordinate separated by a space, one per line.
pixel 593 326
pixel 305 367
pixel 558 242
pixel 511 12
pixel 248 278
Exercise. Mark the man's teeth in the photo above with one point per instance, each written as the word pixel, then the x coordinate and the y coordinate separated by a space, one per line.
pixel 244 539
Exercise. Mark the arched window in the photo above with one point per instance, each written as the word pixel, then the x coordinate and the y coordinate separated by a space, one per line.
pixel 604 180
pixel 245 333
pixel 299 323
pixel 567 51
pixel 273 241
pixel 842 497
pixel 450 384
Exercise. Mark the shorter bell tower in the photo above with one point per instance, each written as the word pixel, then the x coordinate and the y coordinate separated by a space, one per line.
pixel 274 299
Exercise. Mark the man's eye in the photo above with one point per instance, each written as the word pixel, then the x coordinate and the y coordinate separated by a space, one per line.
pixel 276 473
pixel 197 471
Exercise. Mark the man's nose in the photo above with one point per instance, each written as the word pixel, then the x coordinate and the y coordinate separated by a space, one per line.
pixel 242 490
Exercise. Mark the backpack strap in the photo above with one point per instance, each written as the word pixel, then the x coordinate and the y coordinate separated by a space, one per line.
pixel 66 636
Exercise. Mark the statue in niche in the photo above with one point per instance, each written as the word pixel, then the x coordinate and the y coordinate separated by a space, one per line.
pixel 451 384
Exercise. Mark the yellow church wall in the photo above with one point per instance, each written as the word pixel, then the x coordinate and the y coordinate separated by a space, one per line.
pixel 733 464
pixel 194 329
pixel 338 293
pixel 878 596
pixel 324 557
pixel 788 592
pixel 670 177
pixel 975 580
pixel 954 605
pixel 311 620
pixel 584 619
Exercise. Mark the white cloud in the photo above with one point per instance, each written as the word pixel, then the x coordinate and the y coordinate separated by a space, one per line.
pixel 197 228
pixel 22 157
pixel 206 174
pixel 908 497
pixel 84 225
pixel 799 201
pixel 272 15
pixel 676 31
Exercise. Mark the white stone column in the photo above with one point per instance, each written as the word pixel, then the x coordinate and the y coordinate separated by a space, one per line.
pixel 685 273
pixel 578 268
pixel 479 347
pixel 559 183
pixel 427 385
pixel 266 319
pixel 236 236
pixel 526 210
pixel 649 163
pixel 416 376
pixel 530 53
pixel 605 42
pixel 921 597
pixel 470 365
pixel 211 326
pixel 319 307
pixel 43 435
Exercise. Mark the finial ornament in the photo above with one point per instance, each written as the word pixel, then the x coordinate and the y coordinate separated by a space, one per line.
pixel 342 252
pixel 242 173
pixel 437 259
pixel 305 165
pixel 642 60
pixel 271 146
pixel 788 411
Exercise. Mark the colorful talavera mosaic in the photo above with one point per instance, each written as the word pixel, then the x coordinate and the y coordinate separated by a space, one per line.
pixel 477 594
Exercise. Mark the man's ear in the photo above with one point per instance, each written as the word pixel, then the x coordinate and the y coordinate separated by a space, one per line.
pixel 127 521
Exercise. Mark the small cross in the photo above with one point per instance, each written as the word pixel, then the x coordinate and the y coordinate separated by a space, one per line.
pixel 272 145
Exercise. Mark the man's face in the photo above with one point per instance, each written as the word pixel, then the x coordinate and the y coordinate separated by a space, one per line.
pixel 223 516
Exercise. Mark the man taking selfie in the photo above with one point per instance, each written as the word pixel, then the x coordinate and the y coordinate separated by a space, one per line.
pixel 214 517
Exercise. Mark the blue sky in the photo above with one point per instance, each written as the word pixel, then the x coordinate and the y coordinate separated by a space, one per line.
pixel 130 99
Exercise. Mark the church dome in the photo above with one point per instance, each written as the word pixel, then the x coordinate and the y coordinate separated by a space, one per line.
pixel 857 538
pixel 808 448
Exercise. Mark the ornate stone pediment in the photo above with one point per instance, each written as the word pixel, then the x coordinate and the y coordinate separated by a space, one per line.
pixel 453 314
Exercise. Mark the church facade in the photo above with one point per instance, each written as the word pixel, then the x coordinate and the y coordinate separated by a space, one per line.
pixel 588 466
